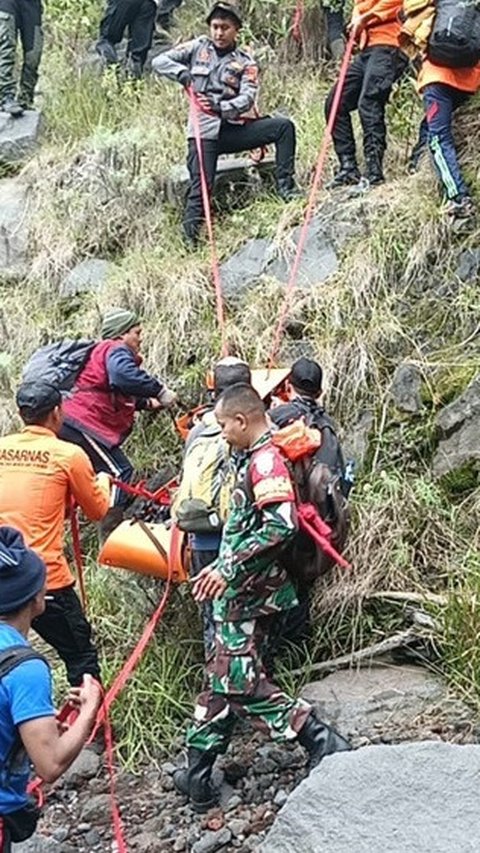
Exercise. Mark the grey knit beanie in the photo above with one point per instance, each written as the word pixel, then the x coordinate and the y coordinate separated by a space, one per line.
pixel 117 321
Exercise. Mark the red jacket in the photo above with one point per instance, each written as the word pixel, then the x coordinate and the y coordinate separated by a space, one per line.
pixel 95 408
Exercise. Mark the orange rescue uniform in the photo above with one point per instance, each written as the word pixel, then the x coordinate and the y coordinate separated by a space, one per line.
pixel 38 475
pixel 464 79
pixel 384 28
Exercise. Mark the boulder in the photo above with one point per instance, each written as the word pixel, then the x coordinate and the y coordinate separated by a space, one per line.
pixel 381 701
pixel 19 136
pixel 85 766
pixel 468 267
pixel 231 172
pixel 420 797
pixel 405 388
pixel 88 275
pixel 14 228
pixel 357 438
pixel 459 428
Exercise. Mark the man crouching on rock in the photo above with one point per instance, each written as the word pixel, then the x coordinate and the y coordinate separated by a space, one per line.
pixel 223 82
pixel 248 586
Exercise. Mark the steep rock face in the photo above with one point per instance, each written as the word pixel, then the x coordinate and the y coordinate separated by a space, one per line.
pixel 418 797
pixel 459 427
pixel 14 227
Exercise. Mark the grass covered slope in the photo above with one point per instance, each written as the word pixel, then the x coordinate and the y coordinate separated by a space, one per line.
pixel 96 186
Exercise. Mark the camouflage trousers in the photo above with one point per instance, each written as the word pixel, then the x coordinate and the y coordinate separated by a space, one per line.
pixel 238 687
pixel 22 17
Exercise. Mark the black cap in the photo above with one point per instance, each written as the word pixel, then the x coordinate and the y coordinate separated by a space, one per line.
pixel 225 10
pixel 306 375
pixel 38 396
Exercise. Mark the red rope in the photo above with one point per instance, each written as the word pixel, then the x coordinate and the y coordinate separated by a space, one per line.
pixel 298 21
pixel 311 200
pixel 161 496
pixel 312 523
pixel 77 552
pixel 195 109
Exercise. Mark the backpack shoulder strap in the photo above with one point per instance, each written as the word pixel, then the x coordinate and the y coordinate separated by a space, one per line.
pixel 15 655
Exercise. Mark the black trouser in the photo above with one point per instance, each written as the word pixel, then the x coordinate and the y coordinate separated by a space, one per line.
pixel 165 10
pixel 24 17
pixel 335 24
pixel 201 559
pixel 63 625
pixel 139 17
pixel 232 139
pixel 110 460
pixel 368 84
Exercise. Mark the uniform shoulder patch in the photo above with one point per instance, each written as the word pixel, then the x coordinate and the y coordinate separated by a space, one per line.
pixel 264 462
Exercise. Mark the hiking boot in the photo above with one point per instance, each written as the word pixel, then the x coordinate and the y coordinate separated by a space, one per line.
pixel 106 50
pixel 288 191
pixel 460 208
pixel 347 175
pixel 320 740
pixel 374 170
pixel 194 781
pixel 134 69
pixel 12 106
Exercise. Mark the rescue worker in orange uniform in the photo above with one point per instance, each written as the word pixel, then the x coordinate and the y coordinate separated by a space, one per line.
pixel 368 84
pixel 39 474
pixel 444 90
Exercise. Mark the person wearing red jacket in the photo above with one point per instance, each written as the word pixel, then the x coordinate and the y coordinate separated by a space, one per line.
pixel 444 90
pixel 368 84
pixel 110 389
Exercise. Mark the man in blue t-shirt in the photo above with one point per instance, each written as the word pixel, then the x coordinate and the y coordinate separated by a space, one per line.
pixel 28 727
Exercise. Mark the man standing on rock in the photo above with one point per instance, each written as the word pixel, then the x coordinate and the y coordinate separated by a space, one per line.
pixel 24 18
pixel 39 474
pixel 248 585
pixel 222 83
pixel 367 87
pixel 139 17
pixel 29 731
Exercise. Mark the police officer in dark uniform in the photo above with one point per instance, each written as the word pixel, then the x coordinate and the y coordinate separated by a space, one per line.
pixel 224 80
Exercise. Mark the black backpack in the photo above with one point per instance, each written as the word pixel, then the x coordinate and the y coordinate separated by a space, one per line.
pixel 455 37
pixel 320 480
pixel 59 363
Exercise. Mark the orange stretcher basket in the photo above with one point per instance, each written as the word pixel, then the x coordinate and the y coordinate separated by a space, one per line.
pixel 131 547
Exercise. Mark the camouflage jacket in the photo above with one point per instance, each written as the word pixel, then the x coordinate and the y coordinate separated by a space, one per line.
pixel 262 520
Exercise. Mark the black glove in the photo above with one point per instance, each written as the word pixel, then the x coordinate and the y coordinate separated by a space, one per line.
pixel 185 78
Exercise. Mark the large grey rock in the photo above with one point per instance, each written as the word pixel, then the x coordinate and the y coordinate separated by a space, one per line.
pixel 405 388
pixel 88 275
pixel 380 700
pixel 19 136
pixel 468 267
pixel 96 809
pixel 414 798
pixel 85 766
pixel 318 259
pixel 14 227
pixel 356 440
pixel 459 427
pixel 230 171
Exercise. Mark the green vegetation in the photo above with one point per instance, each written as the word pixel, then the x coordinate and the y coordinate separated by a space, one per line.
pixel 97 184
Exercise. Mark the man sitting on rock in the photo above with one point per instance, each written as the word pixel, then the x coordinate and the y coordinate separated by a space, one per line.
pixel 248 585
pixel 222 81
pixel 29 731
pixel 24 18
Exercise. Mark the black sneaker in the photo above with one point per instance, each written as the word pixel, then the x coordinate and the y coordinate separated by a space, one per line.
pixel 106 50
pixel 460 208
pixel 12 106
pixel 347 176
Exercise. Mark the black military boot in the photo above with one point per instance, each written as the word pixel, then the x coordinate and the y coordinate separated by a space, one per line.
pixel 287 189
pixel 194 781
pixel 320 740
pixel 374 169
pixel 12 106
pixel 347 175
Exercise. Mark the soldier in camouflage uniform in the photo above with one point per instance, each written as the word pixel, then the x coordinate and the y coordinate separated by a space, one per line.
pixel 248 585
pixel 22 17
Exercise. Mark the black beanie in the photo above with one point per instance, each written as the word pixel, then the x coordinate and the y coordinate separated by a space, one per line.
pixel 22 571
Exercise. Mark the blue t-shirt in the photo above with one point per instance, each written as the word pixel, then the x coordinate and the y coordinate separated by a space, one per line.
pixel 25 694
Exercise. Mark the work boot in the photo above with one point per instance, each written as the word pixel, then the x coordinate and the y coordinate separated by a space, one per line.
pixel 347 175
pixel 134 69
pixel 374 170
pixel 107 51
pixel 194 781
pixel 12 106
pixel 320 740
pixel 109 522
pixel 287 190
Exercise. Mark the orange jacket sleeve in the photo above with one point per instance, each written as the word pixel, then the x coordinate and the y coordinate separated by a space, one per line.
pixel 89 494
